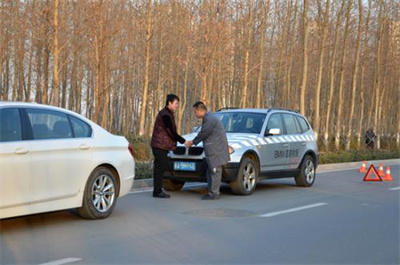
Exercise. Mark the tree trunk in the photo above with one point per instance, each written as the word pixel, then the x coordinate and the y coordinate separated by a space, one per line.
pixel 146 77
pixel 354 78
pixel 244 97
pixel 332 80
pixel 377 81
pixel 305 60
pixel 320 68
pixel 56 55
pixel 362 87
pixel 343 65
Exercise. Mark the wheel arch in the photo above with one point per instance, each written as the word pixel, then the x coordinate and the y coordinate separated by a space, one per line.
pixel 313 156
pixel 251 154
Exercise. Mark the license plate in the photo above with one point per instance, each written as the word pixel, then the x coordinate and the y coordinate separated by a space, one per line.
pixel 185 166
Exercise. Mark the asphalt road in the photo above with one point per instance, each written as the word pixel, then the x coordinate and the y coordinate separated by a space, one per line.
pixel 340 220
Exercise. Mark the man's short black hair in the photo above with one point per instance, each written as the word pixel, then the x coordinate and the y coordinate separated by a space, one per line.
pixel 200 105
pixel 171 98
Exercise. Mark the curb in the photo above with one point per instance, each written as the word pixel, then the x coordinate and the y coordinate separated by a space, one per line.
pixel 350 165
pixel 142 183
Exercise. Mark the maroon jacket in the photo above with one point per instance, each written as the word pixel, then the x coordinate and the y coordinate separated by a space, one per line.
pixel 164 132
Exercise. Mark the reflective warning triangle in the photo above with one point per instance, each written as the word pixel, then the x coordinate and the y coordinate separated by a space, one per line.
pixel 375 175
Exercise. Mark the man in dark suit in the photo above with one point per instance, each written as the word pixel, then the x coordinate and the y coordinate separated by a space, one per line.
pixel 164 139
pixel 216 148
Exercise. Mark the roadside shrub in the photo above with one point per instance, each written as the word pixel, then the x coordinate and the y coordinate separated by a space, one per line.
pixel 357 155
pixel 141 147
pixel 143 170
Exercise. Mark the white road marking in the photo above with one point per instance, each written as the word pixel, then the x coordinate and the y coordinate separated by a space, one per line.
pixel 61 261
pixel 396 188
pixel 293 210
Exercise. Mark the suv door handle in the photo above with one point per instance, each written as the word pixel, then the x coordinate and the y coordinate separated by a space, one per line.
pixel 84 147
pixel 303 144
pixel 21 151
pixel 285 145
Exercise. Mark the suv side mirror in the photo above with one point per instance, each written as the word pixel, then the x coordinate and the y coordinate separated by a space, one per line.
pixel 274 131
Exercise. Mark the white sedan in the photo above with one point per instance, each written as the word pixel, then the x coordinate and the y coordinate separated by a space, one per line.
pixel 53 159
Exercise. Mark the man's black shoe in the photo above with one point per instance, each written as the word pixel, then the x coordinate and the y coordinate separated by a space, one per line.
pixel 208 197
pixel 161 195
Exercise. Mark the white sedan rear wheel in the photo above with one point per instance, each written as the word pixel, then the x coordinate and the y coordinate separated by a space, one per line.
pixel 100 195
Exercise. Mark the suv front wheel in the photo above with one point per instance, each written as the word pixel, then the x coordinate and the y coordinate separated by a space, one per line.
pixel 306 176
pixel 172 185
pixel 246 180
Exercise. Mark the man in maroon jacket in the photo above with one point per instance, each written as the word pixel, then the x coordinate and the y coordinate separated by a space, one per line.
pixel 163 140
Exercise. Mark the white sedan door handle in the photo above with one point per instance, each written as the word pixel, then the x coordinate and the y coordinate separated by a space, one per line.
pixel 84 147
pixel 21 151
pixel 286 145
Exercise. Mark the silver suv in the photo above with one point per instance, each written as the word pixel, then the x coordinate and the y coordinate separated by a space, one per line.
pixel 263 143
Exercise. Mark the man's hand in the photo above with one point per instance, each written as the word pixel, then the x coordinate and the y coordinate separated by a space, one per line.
pixel 188 143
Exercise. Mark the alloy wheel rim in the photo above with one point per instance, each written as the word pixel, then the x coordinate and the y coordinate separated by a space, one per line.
pixel 249 177
pixel 103 193
pixel 309 171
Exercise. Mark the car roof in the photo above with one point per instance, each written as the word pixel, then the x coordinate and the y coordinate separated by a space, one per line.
pixel 30 105
pixel 262 111
pixel 37 105
pixel 19 103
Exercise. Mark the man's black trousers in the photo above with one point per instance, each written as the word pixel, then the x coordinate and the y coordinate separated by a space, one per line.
pixel 161 161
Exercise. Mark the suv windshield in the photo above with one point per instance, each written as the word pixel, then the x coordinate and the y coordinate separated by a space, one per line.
pixel 241 122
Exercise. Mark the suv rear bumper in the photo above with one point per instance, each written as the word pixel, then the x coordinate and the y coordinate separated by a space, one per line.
pixel 229 171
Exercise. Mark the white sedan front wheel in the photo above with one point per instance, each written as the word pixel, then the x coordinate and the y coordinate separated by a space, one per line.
pixel 100 195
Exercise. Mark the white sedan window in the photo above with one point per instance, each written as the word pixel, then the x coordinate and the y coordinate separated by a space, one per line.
pixel 81 128
pixel 10 127
pixel 49 124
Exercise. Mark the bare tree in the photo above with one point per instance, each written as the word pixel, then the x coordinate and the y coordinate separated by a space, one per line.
pixel 305 59
pixel 324 29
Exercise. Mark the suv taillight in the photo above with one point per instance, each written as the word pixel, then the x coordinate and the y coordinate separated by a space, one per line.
pixel 130 149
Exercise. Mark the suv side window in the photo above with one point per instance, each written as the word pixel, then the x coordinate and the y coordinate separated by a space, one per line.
pixel 274 122
pixel 47 124
pixel 81 128
pixel 303 124
pixel 290 124
pixel 10 125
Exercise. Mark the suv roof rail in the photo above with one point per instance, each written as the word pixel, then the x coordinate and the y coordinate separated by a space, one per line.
pixel 227 108
pixel 296 111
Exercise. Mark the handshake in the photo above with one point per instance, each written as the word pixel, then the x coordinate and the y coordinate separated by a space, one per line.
pixel 188 143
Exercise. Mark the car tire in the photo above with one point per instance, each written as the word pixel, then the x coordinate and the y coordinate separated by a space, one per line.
pixel 306 176
pixel 172 185
pixel 246 180
pixel 100 196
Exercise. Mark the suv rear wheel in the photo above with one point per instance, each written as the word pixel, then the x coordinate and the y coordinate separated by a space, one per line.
pixel 246 181
pixel 306 176
pixel 172 185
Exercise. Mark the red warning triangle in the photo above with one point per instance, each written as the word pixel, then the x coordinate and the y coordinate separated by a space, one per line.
pixel 375 175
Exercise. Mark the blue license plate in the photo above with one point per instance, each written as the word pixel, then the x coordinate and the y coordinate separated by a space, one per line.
pixel 185 166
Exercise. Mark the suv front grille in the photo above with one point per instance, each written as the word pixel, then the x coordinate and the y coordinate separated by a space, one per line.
pixel 195 151
pixel 180 150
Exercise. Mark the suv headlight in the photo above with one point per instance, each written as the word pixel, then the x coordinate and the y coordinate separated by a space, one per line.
pixel 231 150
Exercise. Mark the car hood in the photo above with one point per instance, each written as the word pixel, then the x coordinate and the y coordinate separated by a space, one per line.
pixel 248 139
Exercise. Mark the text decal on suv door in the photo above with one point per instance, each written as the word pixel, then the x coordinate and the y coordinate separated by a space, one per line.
pixel 286 153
